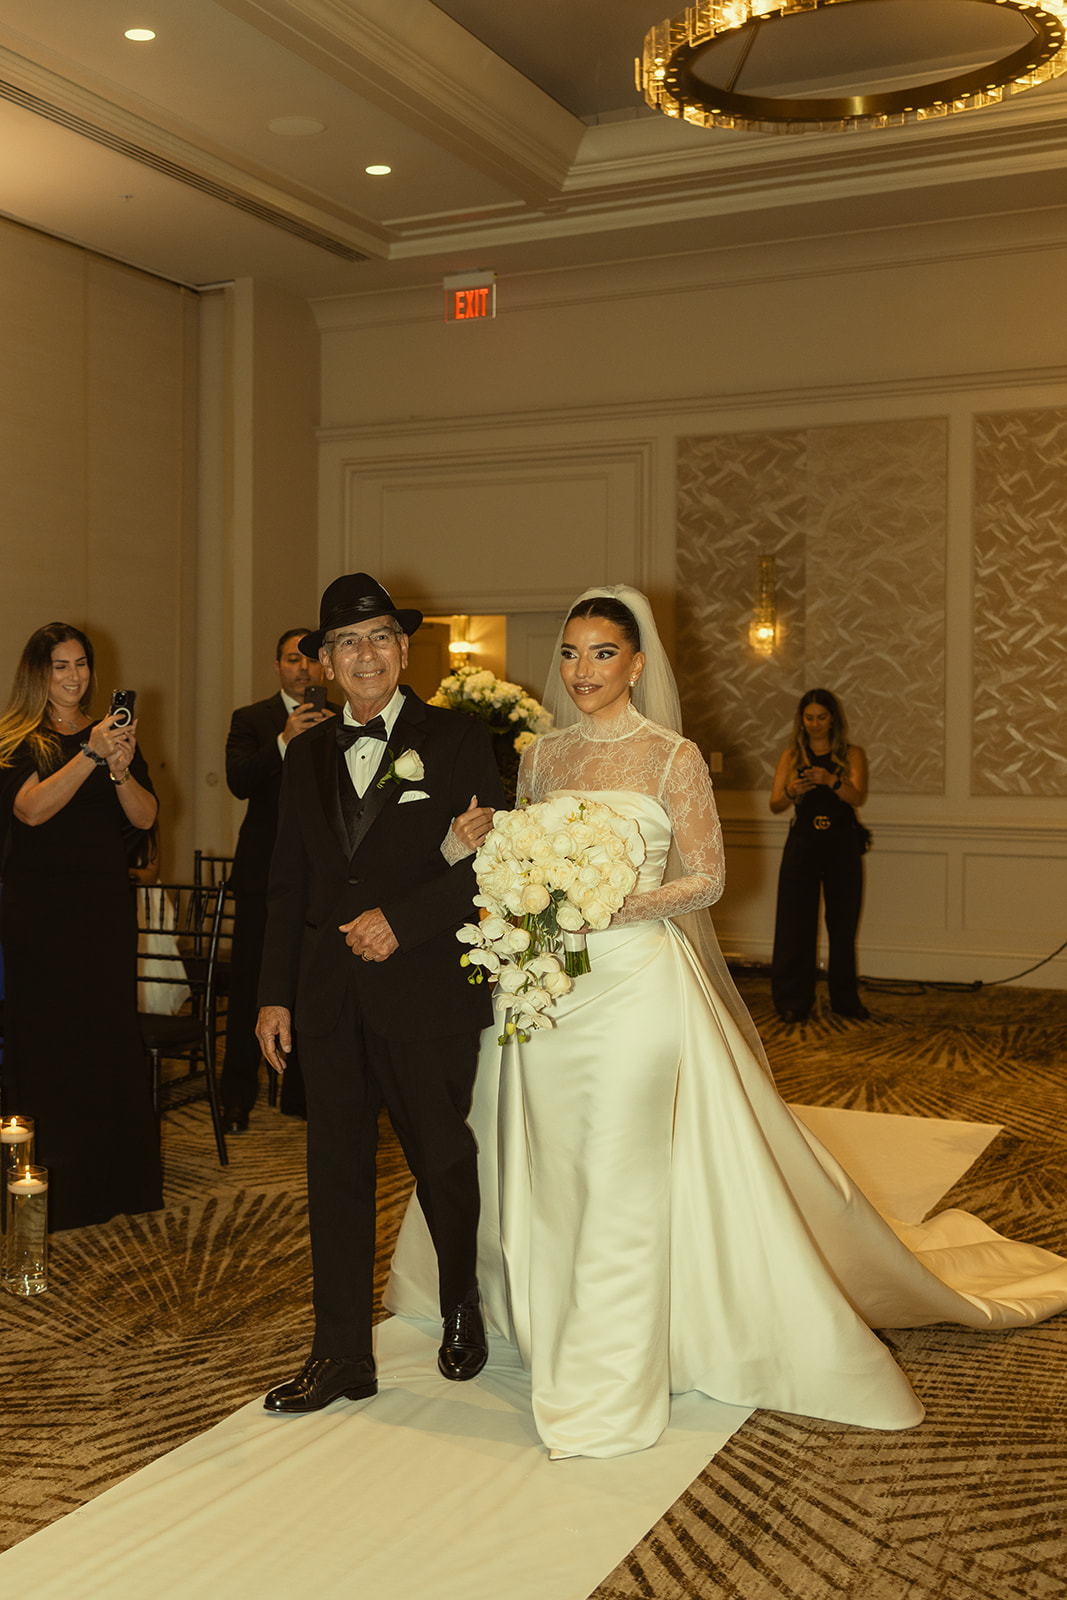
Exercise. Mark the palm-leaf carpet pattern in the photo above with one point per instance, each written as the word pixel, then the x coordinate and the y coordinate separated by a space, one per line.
pixel 155 1327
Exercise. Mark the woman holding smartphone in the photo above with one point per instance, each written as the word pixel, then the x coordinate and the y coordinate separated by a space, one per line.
pixel 74 794
pixel 824 778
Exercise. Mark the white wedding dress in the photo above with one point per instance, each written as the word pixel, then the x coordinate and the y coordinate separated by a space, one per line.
pixel 654 1218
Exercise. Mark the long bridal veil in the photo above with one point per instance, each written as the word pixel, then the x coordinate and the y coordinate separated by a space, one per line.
pixel 655 696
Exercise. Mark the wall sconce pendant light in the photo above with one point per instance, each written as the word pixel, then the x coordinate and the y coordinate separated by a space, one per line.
pixel 459 644
pixel 763 629
pixel 695 65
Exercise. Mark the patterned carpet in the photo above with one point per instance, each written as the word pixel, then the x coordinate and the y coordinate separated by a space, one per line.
pixel 155 1327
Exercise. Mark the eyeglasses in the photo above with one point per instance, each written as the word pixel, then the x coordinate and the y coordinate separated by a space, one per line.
pixel 347 643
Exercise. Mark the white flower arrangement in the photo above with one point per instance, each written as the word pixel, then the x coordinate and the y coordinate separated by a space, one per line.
pixel 505 707
pixel 546 873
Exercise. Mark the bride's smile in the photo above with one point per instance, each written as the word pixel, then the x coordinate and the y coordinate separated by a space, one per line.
pixel 598 666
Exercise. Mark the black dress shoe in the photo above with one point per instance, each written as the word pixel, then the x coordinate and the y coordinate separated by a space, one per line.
pixel 464 1350
pixel 322 1380
pixel 234 1120
pixel 794 1016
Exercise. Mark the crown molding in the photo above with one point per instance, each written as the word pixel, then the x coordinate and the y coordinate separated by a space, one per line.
pixel 411 60
pixel 1029 131
pixel 182 156
pixel 701 411
pixel 722 268
pixel 654 194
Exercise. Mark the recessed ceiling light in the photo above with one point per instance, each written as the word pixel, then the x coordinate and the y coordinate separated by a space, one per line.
pixel 140 34
pixel 378 171
pixel 296 127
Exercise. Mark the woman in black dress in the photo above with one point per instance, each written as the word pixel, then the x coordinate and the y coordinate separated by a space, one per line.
pixel 825 778
pixel 73 794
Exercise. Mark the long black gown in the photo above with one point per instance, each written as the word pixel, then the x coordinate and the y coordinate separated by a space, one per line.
pixel 73 1058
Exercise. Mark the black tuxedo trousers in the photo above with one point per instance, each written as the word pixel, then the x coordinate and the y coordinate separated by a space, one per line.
pixel 426 1087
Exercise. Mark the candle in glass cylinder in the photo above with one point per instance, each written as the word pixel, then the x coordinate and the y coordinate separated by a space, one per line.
pixel 16 1150
pixel 25 1267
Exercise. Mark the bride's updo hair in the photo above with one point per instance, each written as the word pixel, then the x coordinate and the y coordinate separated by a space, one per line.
pixel 602 605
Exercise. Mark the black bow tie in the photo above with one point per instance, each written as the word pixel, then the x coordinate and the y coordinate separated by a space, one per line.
pixel 347 734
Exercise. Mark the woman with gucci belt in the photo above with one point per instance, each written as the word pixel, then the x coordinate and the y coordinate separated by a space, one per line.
pixel 73 795
pixel 824 778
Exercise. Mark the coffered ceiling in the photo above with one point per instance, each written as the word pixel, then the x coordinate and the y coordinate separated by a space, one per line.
pixel 516 138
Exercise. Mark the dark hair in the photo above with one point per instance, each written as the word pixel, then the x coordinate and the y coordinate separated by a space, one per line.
pixel 602 605
pixel 290 633
pixel 802 754
pixel 27 705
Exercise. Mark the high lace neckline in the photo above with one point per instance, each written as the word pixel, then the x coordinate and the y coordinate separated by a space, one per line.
pixel 600 731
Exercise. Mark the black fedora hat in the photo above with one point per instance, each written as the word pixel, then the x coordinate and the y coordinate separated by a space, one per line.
pixel 355 598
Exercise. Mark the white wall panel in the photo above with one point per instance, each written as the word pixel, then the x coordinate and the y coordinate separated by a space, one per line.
pixel 907 888
pixel 1020 894
pixel 507 531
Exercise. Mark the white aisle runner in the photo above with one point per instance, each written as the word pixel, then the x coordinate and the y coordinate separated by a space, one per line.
pixel 433 1490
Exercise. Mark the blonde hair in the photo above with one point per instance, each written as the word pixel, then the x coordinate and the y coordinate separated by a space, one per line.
pixel 24 717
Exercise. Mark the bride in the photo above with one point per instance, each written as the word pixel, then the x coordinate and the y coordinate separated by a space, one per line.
pixel 654 1219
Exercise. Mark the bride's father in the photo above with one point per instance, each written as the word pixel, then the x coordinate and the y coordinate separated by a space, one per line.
pixel 360 946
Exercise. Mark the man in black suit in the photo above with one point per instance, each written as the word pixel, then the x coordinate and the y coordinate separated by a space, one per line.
pixel 361 920
pixel 256 747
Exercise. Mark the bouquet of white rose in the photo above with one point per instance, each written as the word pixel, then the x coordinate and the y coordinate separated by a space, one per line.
pixel 513 717
pixel 546 873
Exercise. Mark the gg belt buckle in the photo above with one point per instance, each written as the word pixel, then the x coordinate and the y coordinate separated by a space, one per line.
pixel 822 822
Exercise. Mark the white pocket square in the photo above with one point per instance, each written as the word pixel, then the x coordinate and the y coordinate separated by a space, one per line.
pixel 412 794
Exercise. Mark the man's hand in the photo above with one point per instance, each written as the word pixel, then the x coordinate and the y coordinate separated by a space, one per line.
pixel 370 936
pixel 304 717
pixel 274 1032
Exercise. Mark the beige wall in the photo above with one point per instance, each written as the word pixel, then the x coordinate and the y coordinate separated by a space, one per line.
pixel 98 487
pixel 259 400
pixel 158 489
pixel 660 422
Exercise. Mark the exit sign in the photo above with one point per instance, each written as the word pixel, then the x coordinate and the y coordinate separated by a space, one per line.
pixel 470 297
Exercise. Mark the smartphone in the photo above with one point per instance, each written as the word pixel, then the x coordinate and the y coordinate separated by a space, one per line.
pixel 122 704
pixel 315 695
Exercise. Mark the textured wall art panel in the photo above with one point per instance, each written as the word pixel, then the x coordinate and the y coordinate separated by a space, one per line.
pixel 856 518
pixel 1020 604
pixel 740 496
pixel 875 603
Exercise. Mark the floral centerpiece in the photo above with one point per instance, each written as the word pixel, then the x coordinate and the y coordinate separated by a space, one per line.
pixel 546 873
pixel 513 717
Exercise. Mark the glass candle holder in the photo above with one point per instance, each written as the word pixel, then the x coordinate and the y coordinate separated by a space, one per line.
pixel 26 1241
pixel 16 1150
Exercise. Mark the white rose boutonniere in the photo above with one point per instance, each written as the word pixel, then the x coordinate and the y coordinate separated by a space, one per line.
pixel 407 767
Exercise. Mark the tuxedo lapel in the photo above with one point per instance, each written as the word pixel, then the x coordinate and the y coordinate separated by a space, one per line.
pixel 326 761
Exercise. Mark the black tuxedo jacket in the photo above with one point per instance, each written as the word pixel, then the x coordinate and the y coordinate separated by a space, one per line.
pixel 321 877
pixel 254 767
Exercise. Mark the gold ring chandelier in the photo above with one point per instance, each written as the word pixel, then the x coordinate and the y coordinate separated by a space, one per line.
pixel 670 71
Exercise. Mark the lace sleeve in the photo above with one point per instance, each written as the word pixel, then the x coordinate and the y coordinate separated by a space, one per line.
pixel 453 849
pixel 525 783
pixel 690 803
